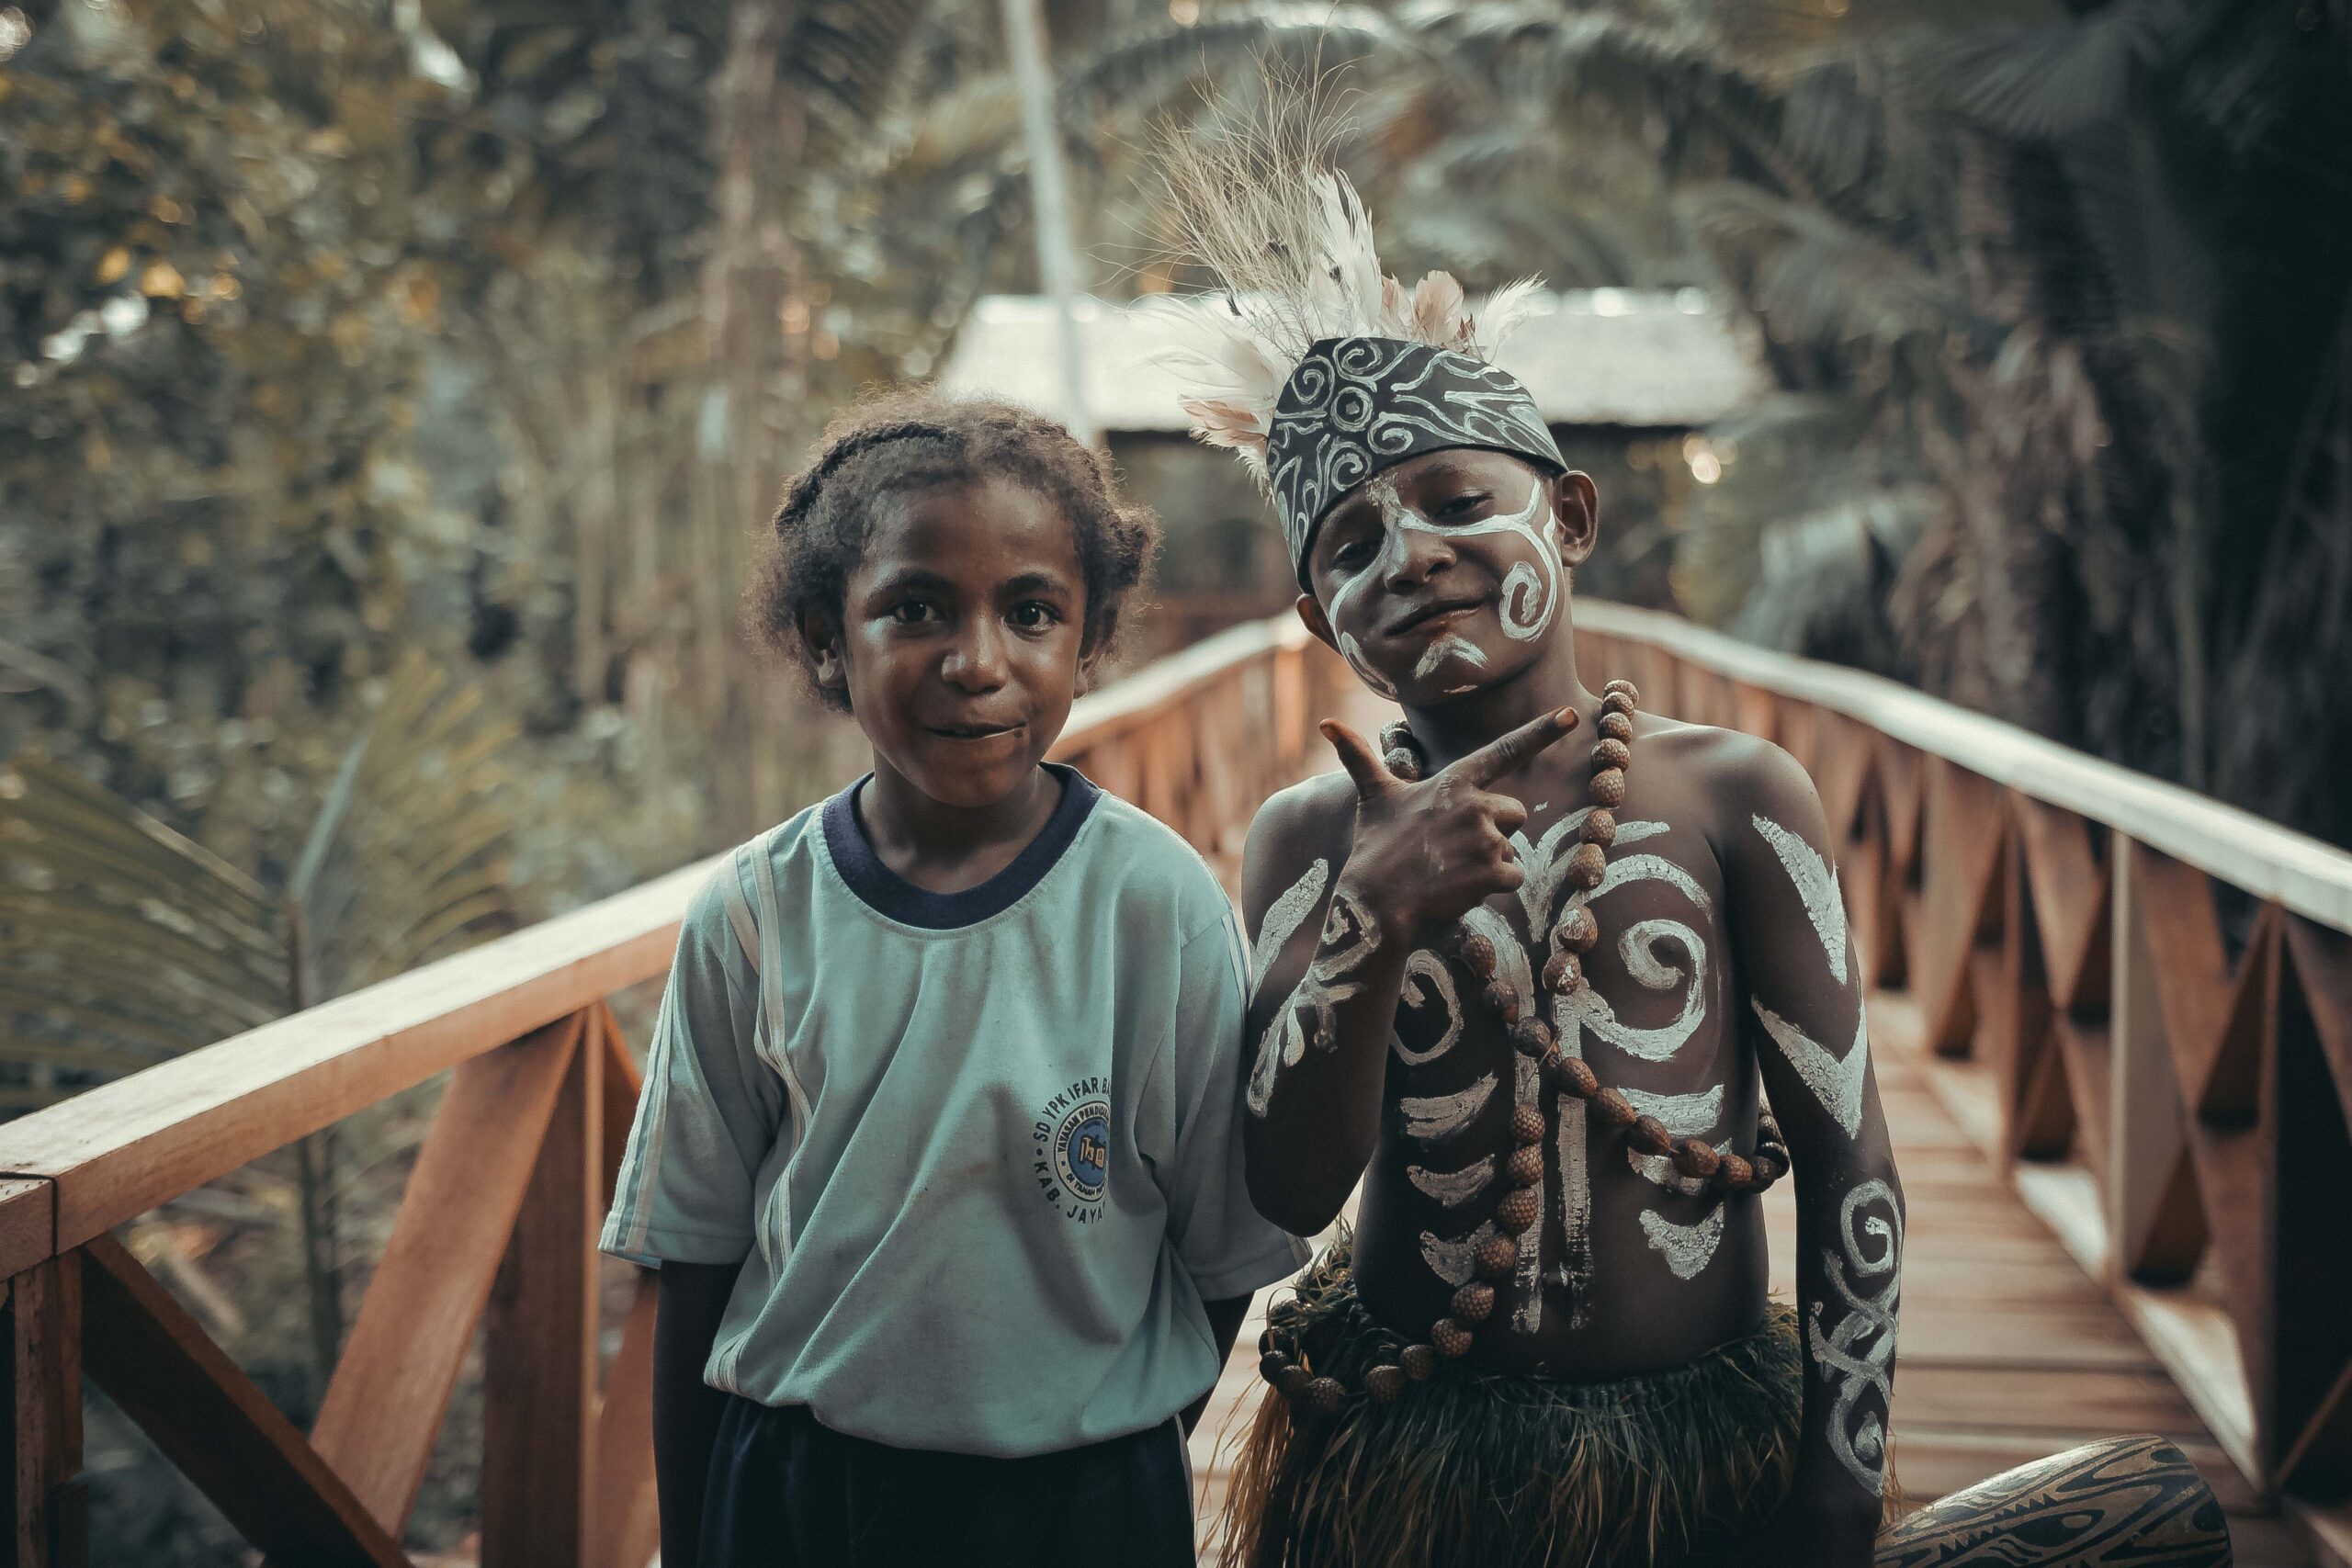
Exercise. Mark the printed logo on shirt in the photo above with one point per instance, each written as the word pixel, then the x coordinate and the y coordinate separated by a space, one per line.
pixel 1073 1137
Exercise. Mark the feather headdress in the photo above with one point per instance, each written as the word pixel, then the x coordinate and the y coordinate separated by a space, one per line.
pixel 1313 365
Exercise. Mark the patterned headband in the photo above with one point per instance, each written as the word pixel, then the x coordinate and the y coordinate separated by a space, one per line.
pixel 1356 405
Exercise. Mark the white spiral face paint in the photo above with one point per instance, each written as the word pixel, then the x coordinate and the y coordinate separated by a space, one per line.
pixel 1529 600
pixel 1855 1353
pixel 1434 1116
pixel 1816 885
pixel 1454 1188
pixel 1427 978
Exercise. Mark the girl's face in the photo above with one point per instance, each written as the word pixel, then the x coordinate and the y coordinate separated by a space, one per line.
pixel 1448 572
pixel 963 638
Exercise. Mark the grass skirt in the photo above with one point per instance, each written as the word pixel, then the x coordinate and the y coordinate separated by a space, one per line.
pixel 1485 1471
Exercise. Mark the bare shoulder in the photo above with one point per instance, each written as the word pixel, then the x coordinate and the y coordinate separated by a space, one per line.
pixel 1741 775
pixel 1312 820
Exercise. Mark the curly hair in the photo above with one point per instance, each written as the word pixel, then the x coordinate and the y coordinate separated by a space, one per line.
pixel 908 441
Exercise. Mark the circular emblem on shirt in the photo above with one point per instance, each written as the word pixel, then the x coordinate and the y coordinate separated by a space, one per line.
pixel 1073 1138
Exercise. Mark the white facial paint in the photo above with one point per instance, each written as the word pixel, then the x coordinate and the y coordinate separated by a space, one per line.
pixel 1816 885
pixel 1529 600
pixel 1856 1354
pixel 1431 1117
pixel 1838 1085
pixel 1426 979
pixel 1449 649
pixel 1456 1262
pixel 1349 938
pixel 1452 1187
pixel 1685 1116
pixel 1687 1248
pixel 1587 1008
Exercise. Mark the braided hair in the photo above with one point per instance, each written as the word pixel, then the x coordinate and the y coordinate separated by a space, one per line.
pixel 909 442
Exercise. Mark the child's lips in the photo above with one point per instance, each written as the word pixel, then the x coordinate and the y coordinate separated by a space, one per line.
pixel 974 732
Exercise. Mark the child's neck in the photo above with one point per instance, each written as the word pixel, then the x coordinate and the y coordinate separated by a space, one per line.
pixel 1468 722
pixel 942 847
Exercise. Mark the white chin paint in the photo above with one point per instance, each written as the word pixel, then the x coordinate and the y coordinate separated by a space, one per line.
pixel 1449 650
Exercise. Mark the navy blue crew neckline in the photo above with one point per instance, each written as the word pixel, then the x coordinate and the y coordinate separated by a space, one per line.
pixel 887 893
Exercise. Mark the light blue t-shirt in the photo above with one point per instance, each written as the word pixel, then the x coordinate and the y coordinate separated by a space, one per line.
pixel 979 1151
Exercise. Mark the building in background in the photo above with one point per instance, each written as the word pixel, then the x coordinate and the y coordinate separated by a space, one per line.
pixel 1626 379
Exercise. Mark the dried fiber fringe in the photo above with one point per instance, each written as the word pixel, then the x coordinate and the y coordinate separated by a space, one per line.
pixel 1498 1472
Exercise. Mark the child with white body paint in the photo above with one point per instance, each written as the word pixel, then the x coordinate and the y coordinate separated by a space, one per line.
pixel 1526 993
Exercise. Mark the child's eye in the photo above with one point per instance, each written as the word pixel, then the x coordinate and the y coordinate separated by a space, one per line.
pixel 1463 505
pixel 913 612
pixel 1352 552
pixel 1034 615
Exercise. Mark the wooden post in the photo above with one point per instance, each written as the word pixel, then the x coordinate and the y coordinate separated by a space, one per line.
pixel 48 1510
pixel 540 1345
pixel 2147 1143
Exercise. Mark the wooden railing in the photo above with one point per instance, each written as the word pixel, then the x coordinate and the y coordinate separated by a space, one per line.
pixel 2146 998
pixel 497 1227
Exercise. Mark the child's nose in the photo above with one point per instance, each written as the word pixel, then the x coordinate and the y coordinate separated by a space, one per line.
pixel 1413 555
pixel 975 661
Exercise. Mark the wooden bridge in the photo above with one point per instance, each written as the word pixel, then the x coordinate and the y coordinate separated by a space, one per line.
pixel 2114 1031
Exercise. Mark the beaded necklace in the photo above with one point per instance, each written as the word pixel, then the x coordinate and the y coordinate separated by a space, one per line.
pixel 1573 936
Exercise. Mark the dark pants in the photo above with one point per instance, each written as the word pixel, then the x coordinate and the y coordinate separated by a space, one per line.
pixel 787 1493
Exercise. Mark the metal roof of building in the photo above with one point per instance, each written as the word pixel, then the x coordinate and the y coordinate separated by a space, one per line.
pixel 1593 357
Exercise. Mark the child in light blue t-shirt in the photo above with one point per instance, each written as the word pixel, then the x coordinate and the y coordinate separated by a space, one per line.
pixel 939 1150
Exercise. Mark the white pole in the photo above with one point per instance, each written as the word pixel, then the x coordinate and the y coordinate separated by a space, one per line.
pixel 1058 267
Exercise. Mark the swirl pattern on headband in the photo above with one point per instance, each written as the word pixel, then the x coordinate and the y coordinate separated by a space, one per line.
pixel 1356 405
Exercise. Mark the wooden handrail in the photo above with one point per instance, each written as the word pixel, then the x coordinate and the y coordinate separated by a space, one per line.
pixel 2272 862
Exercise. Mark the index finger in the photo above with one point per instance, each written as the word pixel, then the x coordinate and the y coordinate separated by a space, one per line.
pixel 1500 756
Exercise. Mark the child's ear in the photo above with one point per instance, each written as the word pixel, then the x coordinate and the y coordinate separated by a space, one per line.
pixel 828 665
pixel 1576 505
pixel 1311 616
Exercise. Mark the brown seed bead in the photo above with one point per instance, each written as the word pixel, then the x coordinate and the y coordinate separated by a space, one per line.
pixel 1525 1167
pixel 1610 753
pixel 1733 1174
pixel 1613 1108
pixel 1695 1159
pixel 1621 684
pixel 1770 1168
pixel 1518 1209
pixel 1588 864
pixel 1472 1302
pixel 1561 974
pixel 1385 1383
pixel 1617 701
pixel 1272 1364
pixel 1533 1036
pixel 1609 787
pixel 1526 1125
pixel 1477 954
pixel 1405 764
pixel 1450 1338
pixel 1616 726
pixel 1325 1397
pixel 1497 1256
pixel 1293 1380
pixel 1577 931
pixel 1573 1075
pixel 1419 1360
pixel 1504 1001
pixel 1649 1135
pixel 1599 828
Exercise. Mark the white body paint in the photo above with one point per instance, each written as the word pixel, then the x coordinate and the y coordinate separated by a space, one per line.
pixel 1587 1009
pixel 1529 1276
pixel 1687 1248
pixel 1838 1085
pixel 1816 885
pixel 1576 1199
pixel 1455 1262
pixel 1349 938
pixel 1856 1354
pixel 1426 974
pixel 1685 1116
pixel 1431 1117
pixel 1284 917
pixel 1454 1188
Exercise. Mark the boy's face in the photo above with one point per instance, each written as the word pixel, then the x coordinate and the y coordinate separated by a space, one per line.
pixel 1448 572
pixel 963 638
